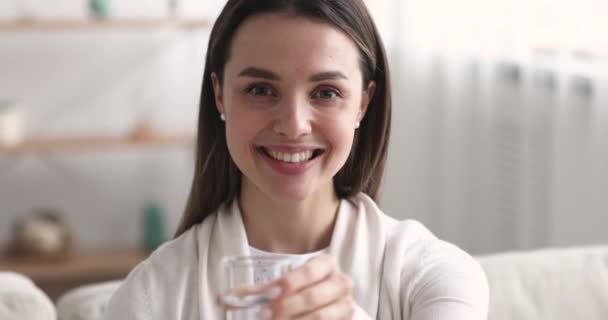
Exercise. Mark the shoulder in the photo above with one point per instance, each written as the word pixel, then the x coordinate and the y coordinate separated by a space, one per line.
pixel 403 231
pixel 438 277
pixel 445 280
pixel 428 275
pixel 411 249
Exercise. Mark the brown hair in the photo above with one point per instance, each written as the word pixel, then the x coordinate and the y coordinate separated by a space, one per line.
pixel 217 179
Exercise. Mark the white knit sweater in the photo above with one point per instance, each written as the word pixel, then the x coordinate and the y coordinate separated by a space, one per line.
pixel 401 271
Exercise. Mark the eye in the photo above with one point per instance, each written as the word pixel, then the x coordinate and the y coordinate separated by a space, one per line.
pixel 327 94
pixel 259 90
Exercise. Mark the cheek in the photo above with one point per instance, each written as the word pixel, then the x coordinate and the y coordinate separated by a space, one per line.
pixel 240 134
pixel 238 139
pixel 342 134
pixel 241 126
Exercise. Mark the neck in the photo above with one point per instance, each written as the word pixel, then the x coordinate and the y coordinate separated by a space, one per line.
pixel 293 227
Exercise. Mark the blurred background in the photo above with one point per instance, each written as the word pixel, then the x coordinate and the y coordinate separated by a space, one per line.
pixel 498 143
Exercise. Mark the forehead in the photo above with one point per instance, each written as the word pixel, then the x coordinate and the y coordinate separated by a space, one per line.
pixel 290 44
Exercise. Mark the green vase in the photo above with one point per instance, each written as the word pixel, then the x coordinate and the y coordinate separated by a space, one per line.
pixel 154 227
pixel 99 8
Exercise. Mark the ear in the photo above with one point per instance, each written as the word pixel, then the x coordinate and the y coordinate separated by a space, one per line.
pixel 368 94
pixel 217 91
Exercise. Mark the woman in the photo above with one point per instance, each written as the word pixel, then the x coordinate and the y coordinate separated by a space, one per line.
pixel 293 133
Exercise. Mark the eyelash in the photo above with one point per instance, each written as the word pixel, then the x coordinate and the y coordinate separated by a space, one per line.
pixel 251 88
pixel 336 92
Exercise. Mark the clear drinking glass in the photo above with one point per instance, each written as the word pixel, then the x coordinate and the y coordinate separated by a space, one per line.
pixel 240 273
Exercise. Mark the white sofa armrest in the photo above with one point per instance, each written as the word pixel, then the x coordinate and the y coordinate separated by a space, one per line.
pixel 21 299
pixel 556 284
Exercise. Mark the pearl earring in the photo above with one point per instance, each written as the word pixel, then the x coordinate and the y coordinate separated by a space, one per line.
pixel 357 125
pixel 223 117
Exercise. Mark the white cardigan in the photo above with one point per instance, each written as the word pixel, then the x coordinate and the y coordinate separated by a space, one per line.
pixel 401 271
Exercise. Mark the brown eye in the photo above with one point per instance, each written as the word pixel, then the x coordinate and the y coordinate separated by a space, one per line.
pixel 327 94
pixel 261 91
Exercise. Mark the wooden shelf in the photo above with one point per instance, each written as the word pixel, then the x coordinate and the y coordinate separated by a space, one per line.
pixel 101 24
pixel 96 143
pixel 56 278
pixel 102 264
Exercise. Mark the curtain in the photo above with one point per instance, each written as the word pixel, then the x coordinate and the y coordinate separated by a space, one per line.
pixel 500 127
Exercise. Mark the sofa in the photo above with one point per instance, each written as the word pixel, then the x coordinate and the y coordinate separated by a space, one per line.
pixel 548 284
pixel 20 299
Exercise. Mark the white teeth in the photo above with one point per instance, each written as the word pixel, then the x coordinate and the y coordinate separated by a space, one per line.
pixel 291 157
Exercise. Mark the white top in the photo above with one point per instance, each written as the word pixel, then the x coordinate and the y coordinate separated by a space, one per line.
pixel 401 271
pixel 296 260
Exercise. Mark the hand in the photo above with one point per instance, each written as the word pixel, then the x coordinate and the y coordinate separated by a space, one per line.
pixel 316 290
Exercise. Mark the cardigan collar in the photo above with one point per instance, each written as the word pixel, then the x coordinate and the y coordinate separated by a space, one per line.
pixel 357 242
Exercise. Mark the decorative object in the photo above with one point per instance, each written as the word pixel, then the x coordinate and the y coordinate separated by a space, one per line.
pixel 173 5
pixel 144 131
pixel 154 227
pixel 100 8
pixel 11 123
pixel 41 235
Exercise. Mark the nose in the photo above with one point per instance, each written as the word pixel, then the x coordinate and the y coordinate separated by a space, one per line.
pixel 293 119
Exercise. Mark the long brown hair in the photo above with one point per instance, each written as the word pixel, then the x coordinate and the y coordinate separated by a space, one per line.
pixel 217 179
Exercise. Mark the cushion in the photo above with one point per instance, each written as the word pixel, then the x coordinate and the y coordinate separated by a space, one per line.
pixel 21 299
pixel 555 284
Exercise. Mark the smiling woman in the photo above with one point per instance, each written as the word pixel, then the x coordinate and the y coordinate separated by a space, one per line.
pixel 291 86
pixel 293 132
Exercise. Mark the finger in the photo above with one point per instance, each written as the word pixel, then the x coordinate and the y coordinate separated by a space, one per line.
pixel 309 274
pixel 333 289
pixel 342 309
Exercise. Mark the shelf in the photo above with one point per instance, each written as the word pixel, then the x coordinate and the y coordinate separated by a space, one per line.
pixel 96 143
pixel 80 266
pixel 57 278
pixel 101 24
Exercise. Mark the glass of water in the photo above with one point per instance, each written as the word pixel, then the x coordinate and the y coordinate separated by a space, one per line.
pixel 240 275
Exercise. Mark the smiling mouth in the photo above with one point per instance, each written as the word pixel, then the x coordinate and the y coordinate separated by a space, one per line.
pixel 298 157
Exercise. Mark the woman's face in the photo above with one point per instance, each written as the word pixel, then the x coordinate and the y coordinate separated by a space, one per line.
pixel 292 94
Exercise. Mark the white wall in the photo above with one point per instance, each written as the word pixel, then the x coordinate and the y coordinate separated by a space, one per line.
pixel 100 82
pixel 484 164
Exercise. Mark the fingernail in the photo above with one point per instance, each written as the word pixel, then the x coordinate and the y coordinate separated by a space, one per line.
pixel 274 292
pixel 265 314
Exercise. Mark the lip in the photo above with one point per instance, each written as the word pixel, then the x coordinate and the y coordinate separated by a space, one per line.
pixel 286 168
pixel 290 148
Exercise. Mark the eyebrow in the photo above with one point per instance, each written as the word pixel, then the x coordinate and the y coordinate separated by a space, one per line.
pixel 269 75
pixel 259 73
pixel 327 75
